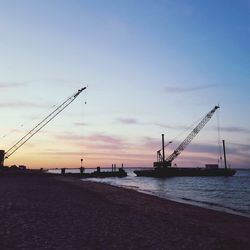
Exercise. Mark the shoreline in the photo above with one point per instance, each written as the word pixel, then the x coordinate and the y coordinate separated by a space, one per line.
pixel 55 212
pixel 178 201
pixel 184 201
pixel 207 205
pixel 194 203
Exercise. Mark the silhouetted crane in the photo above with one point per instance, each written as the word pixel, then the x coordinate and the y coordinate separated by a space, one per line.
pixel 168 162
pixel 4 155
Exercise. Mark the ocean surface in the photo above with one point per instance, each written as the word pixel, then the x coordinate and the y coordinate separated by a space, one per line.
pixel 228 194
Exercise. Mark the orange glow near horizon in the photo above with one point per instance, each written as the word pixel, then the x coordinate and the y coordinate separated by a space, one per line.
pixel 130 157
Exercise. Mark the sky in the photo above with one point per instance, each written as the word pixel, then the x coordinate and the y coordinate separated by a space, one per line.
pixel 151 67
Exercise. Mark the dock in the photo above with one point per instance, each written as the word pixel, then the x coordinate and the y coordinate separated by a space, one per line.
pixel 97 173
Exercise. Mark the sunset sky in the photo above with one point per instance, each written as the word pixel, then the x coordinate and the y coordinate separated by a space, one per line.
pixel 151 67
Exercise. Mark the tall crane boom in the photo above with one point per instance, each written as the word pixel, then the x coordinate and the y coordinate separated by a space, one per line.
pixel 191 136
pixel 40 125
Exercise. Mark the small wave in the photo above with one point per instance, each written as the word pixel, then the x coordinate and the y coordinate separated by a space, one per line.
pixel 217 206
pixel 129 187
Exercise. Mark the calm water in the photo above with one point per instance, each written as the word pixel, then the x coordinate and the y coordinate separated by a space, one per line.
pixel 229 194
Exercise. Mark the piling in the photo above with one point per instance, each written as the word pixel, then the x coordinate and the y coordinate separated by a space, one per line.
pixel 2 156
pixel 81 170
pixel 224 151
pixel 163 148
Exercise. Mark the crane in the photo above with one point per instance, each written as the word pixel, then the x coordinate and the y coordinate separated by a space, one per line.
pixel 4 155
pixel 189 138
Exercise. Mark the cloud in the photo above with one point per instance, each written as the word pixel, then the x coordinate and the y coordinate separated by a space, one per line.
pixel 234 129
pixel 188 89
pixel 202 148
pixel 239 149
pixel 5 85
pixel 20 104
pixel 80 124
pixel 151 143
pixel 234 151
pixel 104 139
pixel 68 137
pixel 171 127
pixel 94 141
pixel 61 153
pixel 127 120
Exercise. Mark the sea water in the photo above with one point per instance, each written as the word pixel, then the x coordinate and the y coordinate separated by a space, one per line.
pixel 228 194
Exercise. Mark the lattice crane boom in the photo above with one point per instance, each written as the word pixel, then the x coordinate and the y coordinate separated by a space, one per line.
pixel 40 125
pixel 191 136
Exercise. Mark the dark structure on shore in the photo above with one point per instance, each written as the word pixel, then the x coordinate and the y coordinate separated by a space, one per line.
pixel 163 167
pixel 2 156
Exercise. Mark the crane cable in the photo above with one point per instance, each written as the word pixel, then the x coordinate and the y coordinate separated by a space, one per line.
pixel 82 135
pixel 187 129
pixel 24 124
pixel 40 125
pixel 219 139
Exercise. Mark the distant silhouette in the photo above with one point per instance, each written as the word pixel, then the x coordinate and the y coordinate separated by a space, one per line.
pixel 82 170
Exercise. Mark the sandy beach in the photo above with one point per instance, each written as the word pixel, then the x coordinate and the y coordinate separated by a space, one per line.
pixel 54 212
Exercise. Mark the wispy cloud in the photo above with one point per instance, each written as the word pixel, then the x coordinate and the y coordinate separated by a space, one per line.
pixel 155 144
pixel 166 126
pixel 235 129
pixel 63 153
pixel 98 140
pixel 68 137
pixel 80 124
pixel 233 150
pixel 176 89
pixel 104 139
pixel 151 143
pixel 128 120
pixel 21 104
pixel 240 148
pixel 202 148
pixel 5 85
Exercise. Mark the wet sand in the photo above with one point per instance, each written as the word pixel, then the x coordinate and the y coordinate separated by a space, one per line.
pixel 48 212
